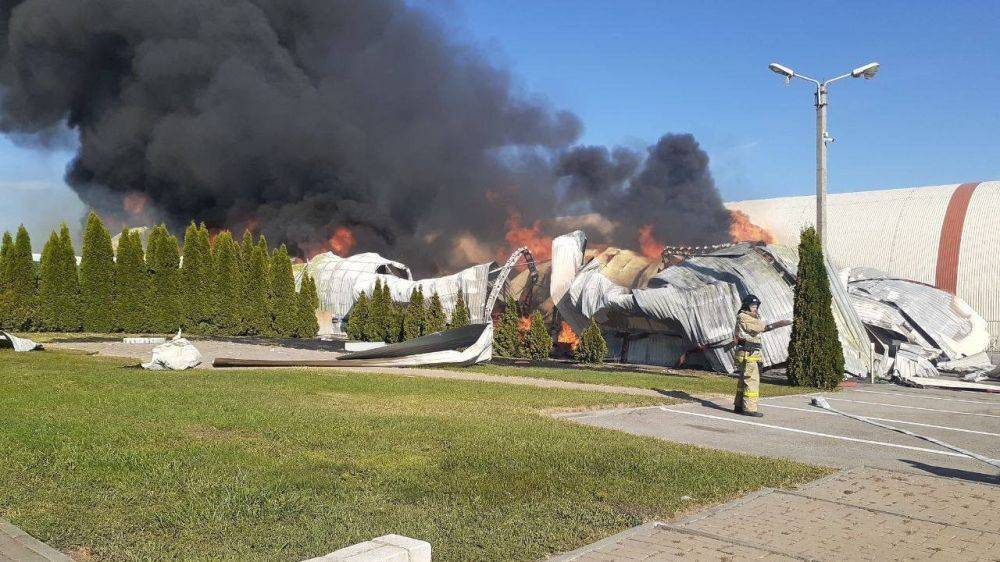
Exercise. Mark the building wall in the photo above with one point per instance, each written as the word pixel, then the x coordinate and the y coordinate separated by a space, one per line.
pixel 946 235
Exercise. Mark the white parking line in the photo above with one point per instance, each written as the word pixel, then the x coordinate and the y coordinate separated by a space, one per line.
pixel 818 434
pixel 818 411
pixel 912 407
pixel 910 395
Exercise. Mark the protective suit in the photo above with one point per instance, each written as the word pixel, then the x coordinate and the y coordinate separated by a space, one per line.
pixel 748 355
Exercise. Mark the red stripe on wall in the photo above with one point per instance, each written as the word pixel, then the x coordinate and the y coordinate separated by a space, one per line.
pixel 946 275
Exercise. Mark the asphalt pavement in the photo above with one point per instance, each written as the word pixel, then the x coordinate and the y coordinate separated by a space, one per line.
pixel 793 429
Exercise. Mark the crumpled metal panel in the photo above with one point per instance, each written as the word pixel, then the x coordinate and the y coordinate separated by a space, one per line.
pixel 339 282
pixel 702 295
pixel 942 320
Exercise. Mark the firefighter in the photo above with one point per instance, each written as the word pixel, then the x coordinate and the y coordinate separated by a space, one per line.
pixel 749 327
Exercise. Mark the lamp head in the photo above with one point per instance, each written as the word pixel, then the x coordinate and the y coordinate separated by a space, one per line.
pixel 782 70
pixel 867 71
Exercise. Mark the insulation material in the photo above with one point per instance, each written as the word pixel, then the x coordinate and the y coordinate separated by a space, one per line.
pixel 339 282
pixel 10 341
pixel 175 355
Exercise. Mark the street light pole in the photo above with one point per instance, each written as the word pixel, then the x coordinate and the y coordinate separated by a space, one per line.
pixel 822 137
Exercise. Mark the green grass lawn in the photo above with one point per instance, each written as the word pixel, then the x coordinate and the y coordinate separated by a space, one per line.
pixel 287 464
pixel 690 382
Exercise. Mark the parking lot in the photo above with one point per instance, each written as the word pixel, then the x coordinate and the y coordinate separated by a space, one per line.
pixel 792 428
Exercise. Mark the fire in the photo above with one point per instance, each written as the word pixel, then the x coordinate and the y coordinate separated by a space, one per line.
pixel 342 241
pixel 530 236
pixel 742 230
pixel 648 244
pixel 567 336
pixel 134 202
pixel 524 324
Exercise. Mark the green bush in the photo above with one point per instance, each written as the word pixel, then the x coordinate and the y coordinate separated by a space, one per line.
pixel 59 285
pixel 286 318
pixel 506 333
pixel 538 342
pixel 19 307
pixel 460 316
pixel 97 277
pixel 415 316
pixel 166 310
pixel 228 294
pixel 307 301
pixel 592 347
pixel 437 321
pixel 815 357
pixel 131 291
pixel 357 319
pixel 197 279
pixel 257 313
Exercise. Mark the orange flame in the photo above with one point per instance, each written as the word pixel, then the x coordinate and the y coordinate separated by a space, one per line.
pixel 135 202
pixel 649 246
pixel 342 241
pixel 742 230
pixel 567 336
pixel 529 236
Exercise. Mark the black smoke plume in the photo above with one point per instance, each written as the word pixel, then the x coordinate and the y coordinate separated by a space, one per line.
pixel 301 116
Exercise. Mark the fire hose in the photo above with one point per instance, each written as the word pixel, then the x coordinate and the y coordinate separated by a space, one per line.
pixel 821 402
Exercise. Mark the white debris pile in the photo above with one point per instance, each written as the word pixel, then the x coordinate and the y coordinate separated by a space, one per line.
pixel 8 340
pixel 922 332
pixel 175 355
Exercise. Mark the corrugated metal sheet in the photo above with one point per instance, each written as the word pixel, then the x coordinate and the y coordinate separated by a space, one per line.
pixel 899 231
pixel 339 282
pixel 979 257
pixel 896 229
pixel 943 320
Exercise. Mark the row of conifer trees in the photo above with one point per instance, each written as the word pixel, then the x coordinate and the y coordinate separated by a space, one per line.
pixel 512 339
pixel 220 287
pixel 377 317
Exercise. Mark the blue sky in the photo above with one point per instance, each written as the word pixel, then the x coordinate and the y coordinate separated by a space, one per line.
pixel 633 70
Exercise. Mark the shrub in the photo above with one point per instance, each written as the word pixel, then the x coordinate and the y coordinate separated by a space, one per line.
pixel 307 301
pixel 286 318
pixel 415 316
pixel 436 319
pixel 815 357
pixel 538 342
pixel 196 275
pixel 131 291
pixel 228 282
pixel 59 285
pixel 165 293
pixel 357 319
pixel 592 347
pixel 506 335
pixel 97 277
pixel 460 316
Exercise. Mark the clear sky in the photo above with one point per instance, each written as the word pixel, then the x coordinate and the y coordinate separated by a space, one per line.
pixel 633 70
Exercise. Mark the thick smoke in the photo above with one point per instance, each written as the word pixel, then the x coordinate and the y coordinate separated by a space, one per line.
pixel 300 116
pixel 673 190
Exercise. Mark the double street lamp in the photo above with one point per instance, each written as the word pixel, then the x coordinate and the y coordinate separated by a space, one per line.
pixel 822 137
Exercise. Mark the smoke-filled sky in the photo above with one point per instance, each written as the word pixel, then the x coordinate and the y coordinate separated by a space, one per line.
pixel 302 117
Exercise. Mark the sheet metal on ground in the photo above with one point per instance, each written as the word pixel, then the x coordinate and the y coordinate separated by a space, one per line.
pixel 793 429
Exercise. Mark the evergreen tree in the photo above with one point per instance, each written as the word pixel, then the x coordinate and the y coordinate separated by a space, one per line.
pixel 196 276
pixel 18 304
pixel 58 285
pixel 286 317
pixel 592 347
pixel 97 277
pixel 257 311
pixel 414 315
pixel 165 297
pixel 228 302
pixel 437 321
pixel 307 301
pixel 5 250
pixel 460 316
pixel 815 357
pixel 131 291
pixel 207 249
pixel 377 310
pixel 538 343
pixel 397 316
pixel 357 319
pixel 506 335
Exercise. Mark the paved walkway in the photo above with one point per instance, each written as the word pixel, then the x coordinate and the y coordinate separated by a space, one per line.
pixel 18 546
pixel 860 514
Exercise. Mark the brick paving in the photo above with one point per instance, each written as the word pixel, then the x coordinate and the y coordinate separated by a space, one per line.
pixel 860 514
pixel 18 546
